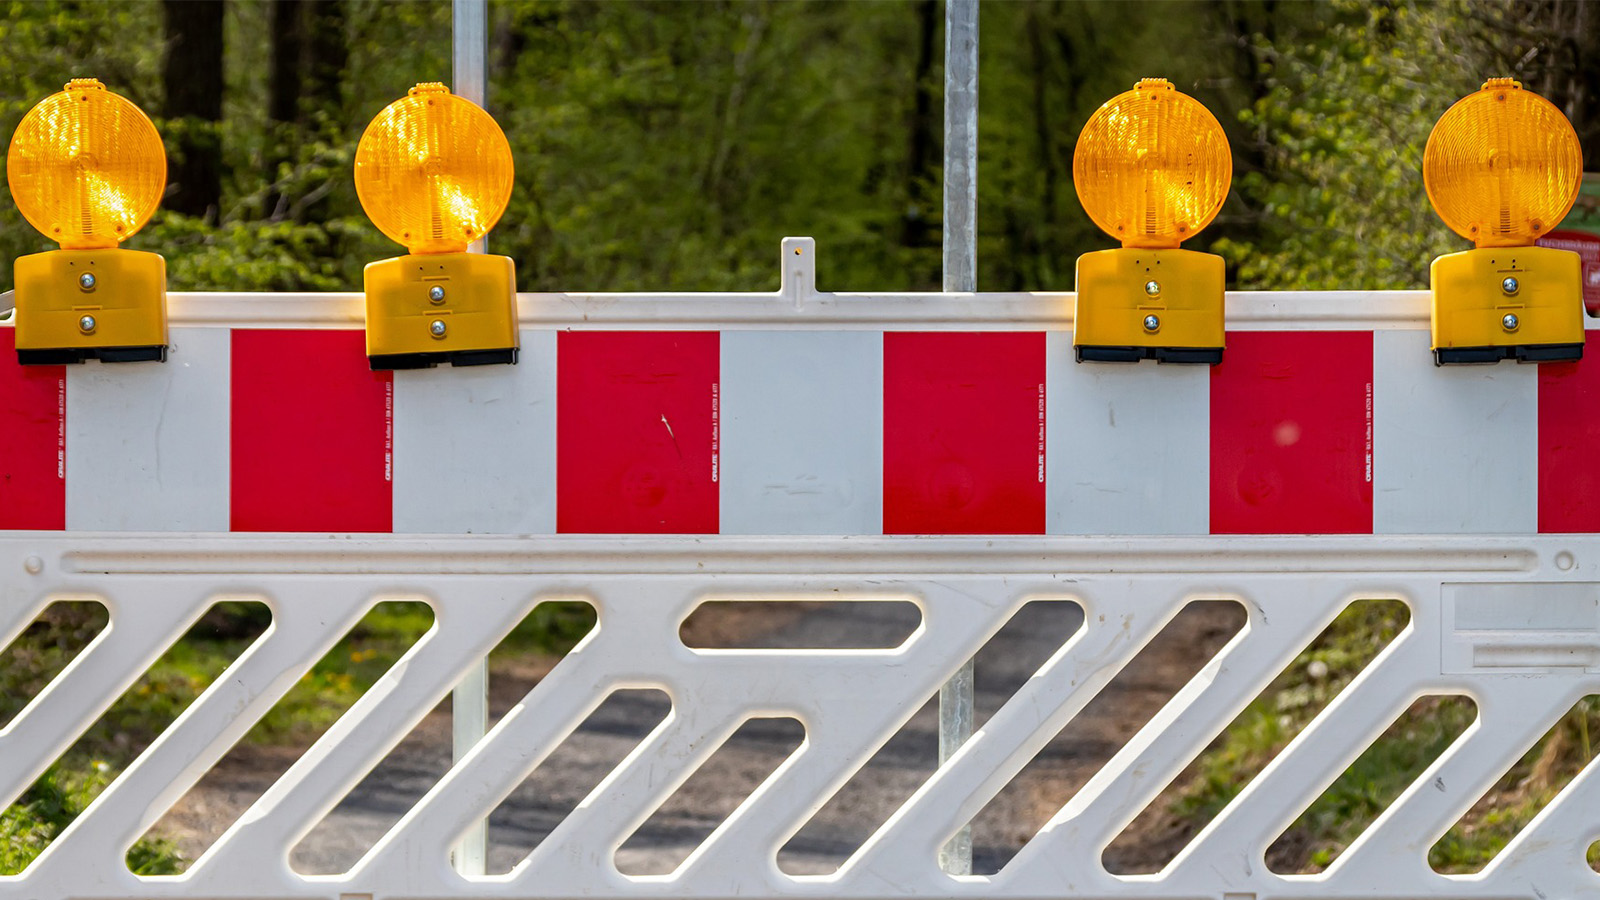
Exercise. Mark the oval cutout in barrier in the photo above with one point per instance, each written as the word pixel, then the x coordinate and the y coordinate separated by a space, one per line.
pixel 801 623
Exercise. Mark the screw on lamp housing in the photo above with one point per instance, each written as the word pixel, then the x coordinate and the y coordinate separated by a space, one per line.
pixel 87 170
pixel 1152 169
pixel 434 172
pixel 1502 167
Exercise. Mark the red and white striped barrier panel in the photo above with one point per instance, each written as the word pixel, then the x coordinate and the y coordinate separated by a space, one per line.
pixel 799 412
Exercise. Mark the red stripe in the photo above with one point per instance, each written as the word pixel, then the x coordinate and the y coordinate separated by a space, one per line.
pixel 1291 434
pixel 312 431
pixel 963 433
pixel 33 442
pixel 637 432
pixel 1569 447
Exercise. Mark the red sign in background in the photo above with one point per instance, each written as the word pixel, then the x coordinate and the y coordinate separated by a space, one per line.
pixel 1587 246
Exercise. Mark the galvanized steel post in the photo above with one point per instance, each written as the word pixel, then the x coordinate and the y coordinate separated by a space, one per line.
pixel 469 702
pixel 960 276
pixel 961 146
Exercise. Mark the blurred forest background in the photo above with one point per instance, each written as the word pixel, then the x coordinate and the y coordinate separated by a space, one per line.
pixel 669 145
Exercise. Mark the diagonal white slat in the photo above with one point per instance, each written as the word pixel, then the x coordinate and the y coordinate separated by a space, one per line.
pixel 54 719
pixel 845 725
pixel 18 610
pixel 302 632
pixel 1117 628
pixel 524 737
pixel 371 728
pixel 1512 715
pixel 1311 762
pixel 849 701
pixel 1186 724
pixel 645 780
pixel 1551 850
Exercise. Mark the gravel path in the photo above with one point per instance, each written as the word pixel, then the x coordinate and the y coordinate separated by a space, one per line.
pixel 753 753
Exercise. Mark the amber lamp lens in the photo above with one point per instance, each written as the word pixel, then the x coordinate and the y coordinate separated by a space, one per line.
pixel 1502 166
pixel 433 171
pixel 1152 166
pixel 86 167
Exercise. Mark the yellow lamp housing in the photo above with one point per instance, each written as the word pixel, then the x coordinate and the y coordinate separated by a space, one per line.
pixel 1502 167
pixel 1151 168
pixel 87 169
pixel 434 173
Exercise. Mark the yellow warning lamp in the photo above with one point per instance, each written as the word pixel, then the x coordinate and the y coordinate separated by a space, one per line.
pixel 87 169
pixel 433 172
pixel 1152 168
pixel 1502 167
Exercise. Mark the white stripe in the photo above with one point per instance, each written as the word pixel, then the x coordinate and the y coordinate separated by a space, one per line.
pixel 147 442
pixel 1455 448
pixel 475 446
pixel 1128 446
pixel 802 432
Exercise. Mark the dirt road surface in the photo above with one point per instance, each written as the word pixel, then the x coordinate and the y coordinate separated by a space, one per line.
pixel 664 841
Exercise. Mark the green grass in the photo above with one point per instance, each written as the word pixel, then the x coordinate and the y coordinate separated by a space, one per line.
pixel 1373 781
pixel 1293 699
pixel 50 805
pixel 1385 769
pixel 186 669
pixel 1527 788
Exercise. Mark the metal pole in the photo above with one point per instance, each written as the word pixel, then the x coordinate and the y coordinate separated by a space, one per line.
pixel 471 75
pixel 961 146
pixel 469 703
pixel 960 276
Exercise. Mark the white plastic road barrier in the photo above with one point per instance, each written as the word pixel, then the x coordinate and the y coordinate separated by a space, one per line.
pixel 749 432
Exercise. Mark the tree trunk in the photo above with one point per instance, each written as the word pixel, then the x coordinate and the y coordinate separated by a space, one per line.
pixel 193 79
pixel 305 94
pixel 918 227
pixel 329 56
pixel 283 102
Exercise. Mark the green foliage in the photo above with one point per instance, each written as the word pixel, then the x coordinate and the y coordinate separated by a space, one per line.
pixel 1527 788
pixel 28 826
pixel 658 150
pixel 344 673
pixel 1385 769
pixel 191 665
pixel 658 145
pixel 1267 725
pixel 553 628
pixel 664 145
pixel 1353 90
pixel 1380 774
